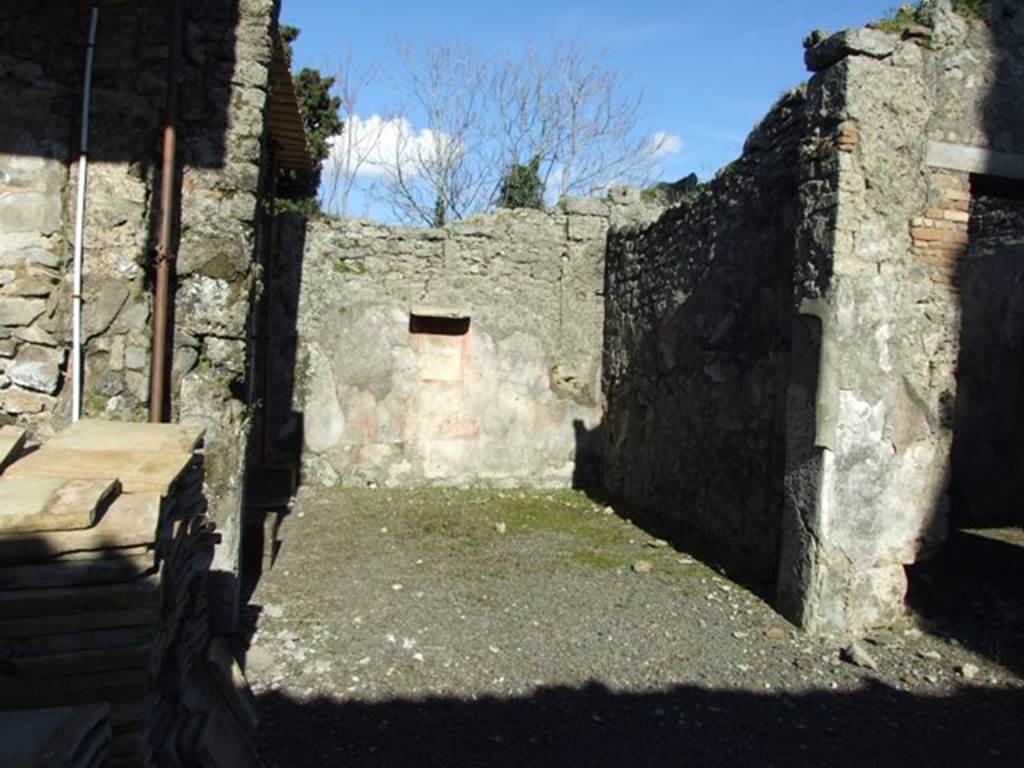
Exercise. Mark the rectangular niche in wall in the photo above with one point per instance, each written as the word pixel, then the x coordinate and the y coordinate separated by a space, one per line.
pixel 438 337
pixel 438 321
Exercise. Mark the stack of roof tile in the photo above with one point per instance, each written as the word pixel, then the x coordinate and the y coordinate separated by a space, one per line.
pixel 57 737
pixel 104 550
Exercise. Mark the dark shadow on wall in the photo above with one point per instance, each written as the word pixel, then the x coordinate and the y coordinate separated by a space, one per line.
pixel 589 476
pixel 987 482
pixel 972 591
pixel 42 61
pixel 680 726
pixel 276 440
pixel 698 313
pixel 589 458
pixel 44 53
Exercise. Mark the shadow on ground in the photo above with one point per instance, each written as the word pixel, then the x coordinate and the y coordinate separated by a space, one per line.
pixel 972 593
pixel 684 539
pixel 685 725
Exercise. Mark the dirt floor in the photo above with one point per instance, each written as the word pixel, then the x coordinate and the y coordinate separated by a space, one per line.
pixel 494 628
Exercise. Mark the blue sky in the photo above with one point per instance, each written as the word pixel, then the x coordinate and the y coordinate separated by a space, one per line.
pixel 709 70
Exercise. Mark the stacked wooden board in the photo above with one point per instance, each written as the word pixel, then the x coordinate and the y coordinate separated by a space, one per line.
pixel 104 549
pixel 56 737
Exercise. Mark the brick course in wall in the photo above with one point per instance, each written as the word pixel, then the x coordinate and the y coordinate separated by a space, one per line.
pixel 940 235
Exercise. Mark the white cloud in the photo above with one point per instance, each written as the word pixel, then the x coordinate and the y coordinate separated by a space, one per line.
pixel 375 142
pixel 665 144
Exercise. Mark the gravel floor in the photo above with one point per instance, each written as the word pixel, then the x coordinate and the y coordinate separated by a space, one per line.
pixel 479 628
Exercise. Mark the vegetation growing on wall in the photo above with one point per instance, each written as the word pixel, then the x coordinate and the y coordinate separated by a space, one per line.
pixel 977 10
pixel 900 19
pixel 907 15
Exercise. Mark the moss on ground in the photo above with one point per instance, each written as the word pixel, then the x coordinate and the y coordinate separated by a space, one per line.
pixel 574 530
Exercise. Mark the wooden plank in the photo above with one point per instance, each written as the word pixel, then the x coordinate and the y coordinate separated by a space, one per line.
pixel 229 681
pixel 24 603
pixel 130 521
pixel 64 574
pixel 223 743
pixel 113 687
pixel 139 471
pixel 129 749
pixel 19 671
pixel 12 440
pixel 75 642
pixel 127 713
pixel 96 554
pixel 92 750
pixel 96 434
pixel 31 504
pixel 960 157
pixel 44 626
pixel 29 735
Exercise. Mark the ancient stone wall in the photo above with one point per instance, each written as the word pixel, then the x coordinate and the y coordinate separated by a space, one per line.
pixel 870 421
pixel 697 339
pixel 782 353
pixel 465 355
pixel 35 137
pixel 227 51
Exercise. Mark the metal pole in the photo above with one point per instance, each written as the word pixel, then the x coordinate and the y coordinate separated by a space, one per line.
pixel 164 257
pixel 83 172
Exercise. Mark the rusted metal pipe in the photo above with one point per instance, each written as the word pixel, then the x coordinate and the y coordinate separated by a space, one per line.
pixel 165 257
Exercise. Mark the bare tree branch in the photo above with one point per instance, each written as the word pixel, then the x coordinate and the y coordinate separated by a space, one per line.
pixel 567 109
pixel 358 140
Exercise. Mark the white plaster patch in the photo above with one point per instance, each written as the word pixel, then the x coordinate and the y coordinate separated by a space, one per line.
pixel 324 421
pixel 882 336
pixel 860 424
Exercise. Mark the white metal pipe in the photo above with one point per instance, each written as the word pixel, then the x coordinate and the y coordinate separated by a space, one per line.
pixel 83 169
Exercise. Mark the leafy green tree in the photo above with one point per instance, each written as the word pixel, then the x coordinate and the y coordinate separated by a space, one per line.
pixel 522 186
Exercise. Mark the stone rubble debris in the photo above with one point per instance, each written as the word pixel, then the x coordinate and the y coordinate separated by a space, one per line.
pixel 855 653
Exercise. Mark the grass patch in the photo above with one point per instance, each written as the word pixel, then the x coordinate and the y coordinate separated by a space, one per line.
pixel 570 530
pixel 467 518
pixel 600 561
pixel 975 10
pixel 343 267
pixel 899 20
pixel 906 16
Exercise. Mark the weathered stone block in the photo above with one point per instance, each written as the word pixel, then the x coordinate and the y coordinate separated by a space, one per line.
pixel 587 228
pixel 207 306
pixel 850 42
pixel 30 211
pixel 18 311
pixel 32 286
pixel 35 335
pixel 228 354
pixel 101 305
pixel 20 401
pixel 584 206
pixel 36 368
pixel 136 358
